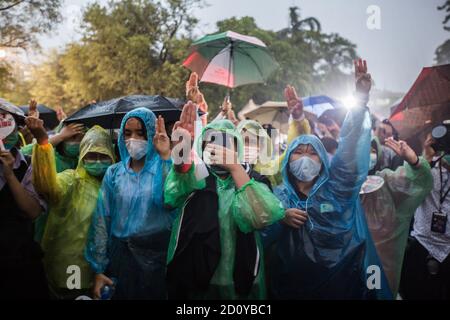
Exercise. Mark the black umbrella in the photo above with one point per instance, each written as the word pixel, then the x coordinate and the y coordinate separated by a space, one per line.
pixel 18 114
pixel 48 115
pixel 109 114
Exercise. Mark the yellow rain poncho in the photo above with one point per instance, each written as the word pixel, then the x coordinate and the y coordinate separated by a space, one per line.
pixel 272 168
pixel 72 195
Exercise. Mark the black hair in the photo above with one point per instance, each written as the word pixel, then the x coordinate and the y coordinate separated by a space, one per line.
pixel 144 128
pixel 377 167
pixel 329 143
pixel 394 131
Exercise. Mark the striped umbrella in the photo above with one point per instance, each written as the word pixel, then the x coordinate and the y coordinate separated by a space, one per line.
pixel 230 59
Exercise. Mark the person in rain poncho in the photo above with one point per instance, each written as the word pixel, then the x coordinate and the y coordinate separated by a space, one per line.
pixel 130 230
pixel 66 144
pixel 258 148
pixel 390 206
pixel 387 159
pixel 72 195
pixel 214 252
pixel 323 247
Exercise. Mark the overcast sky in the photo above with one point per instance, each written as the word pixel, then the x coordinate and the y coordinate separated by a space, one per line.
pixel 411 30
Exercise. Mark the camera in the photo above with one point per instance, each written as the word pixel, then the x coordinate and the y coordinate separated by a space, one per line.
pixel 441 136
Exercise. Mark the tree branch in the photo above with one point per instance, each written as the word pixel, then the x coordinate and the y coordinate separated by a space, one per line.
pixel 11 5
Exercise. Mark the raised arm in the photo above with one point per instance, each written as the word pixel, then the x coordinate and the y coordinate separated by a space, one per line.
pixel 44 167
pixel 350 164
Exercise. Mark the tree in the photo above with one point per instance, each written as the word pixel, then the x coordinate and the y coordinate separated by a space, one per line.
pixel 47 84
pixel 443 51
pixel 310 60
pixel 127 47
pixel 22 20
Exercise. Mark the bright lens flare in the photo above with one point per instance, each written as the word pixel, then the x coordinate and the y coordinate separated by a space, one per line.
pixel 348 101
pixel 2 53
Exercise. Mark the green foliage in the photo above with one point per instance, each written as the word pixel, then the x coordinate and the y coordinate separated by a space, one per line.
pixel 22 20
pixel 443 51
pixel 310 60
pixel 127 47
pixel 138 46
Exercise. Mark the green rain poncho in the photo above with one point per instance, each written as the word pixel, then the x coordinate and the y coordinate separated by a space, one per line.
pixel 72 195
pixel 249 208
pixel 389 211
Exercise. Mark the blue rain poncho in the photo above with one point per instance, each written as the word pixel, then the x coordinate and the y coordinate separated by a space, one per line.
pixel 130 230
pixel 327 258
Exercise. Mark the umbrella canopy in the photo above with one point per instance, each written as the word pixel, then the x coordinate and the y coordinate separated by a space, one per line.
pixel 48 115
pixel 18 114
pixel 426 103
pixel 277 114
pixel 250 106
pixel 109 114
pixel 271 112
pixel 230 59
pixel 317 105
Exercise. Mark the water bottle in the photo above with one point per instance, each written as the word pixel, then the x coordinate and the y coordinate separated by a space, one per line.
pixel 107 291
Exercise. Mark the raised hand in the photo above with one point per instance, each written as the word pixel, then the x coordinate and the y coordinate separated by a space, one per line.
pixel 363 79
pixel 187 119
pixel 403 150
pixel 324 130
pixel 222 157
pixel 32 109
pixel 36 126
pixel 161 140
pixel 71 130
pixel 192 91
pixel 295 105
pixel 226 106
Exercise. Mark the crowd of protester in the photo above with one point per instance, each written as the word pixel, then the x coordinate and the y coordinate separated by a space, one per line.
pixel 218 210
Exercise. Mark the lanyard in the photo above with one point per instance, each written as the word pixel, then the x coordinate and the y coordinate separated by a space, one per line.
pixel 443 195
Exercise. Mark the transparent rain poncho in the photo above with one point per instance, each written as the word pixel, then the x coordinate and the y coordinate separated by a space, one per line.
pixel 390 209
pixel 328 257
pixel 72 196
pixel 271 164
pixel 130 230
pixel 249 208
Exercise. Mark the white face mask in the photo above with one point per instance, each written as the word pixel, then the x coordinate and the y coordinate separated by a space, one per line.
pixel 305 169
pixel 373 161
pixel 136 148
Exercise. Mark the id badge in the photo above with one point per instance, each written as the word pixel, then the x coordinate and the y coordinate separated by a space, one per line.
pixel 438 222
